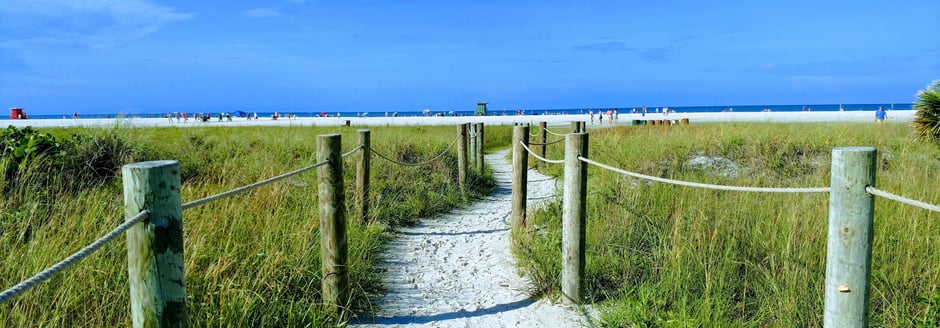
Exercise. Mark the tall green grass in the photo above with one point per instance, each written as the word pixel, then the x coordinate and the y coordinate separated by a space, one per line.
pixel 666 255
pixel 252 259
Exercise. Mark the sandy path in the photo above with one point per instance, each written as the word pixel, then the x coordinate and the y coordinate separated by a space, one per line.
pixel 457 270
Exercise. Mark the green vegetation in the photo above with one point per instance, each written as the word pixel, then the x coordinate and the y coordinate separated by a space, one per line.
pixel 666 255
pixel 927 120
pixel 251 260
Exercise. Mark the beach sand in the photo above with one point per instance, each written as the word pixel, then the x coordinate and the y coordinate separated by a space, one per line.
pixel 624 119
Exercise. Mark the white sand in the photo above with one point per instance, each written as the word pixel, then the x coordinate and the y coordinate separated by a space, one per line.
pixel 625 119
pixel 457 270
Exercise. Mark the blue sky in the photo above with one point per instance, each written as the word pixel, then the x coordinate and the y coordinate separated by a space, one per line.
pixel 106 56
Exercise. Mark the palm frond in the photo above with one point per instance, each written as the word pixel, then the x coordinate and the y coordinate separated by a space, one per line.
pixel 927 119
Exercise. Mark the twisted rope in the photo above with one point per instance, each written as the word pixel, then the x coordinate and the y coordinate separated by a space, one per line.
pixel 703 185
pixel 555 134
pixel 421 163
pixel 353 151
pixel 252 186
pixel 552 161
pixel 546 143
pixel 72 259
pixel 901 199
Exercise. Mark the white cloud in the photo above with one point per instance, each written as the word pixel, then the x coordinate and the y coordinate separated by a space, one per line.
pixel 95 23
pixel 263 13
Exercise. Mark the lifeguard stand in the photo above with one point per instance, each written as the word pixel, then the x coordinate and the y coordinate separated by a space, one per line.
pixel 481 109
pixel 17 114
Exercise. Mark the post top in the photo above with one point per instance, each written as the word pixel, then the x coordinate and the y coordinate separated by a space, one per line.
pixel 853 149
pixel 152 164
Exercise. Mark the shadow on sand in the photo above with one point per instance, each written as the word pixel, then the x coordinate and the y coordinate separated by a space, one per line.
pixel 462 314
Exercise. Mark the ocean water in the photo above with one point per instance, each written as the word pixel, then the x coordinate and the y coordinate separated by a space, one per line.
pixel 497 112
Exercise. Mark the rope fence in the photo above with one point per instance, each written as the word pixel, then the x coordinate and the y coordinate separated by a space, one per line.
pixel 71 259
pixel 546 143
pixel 546 160
pixel 901 199
pixel 705 185
pixel 851 216
pixel 250 186
pixel 556 134
pixel 435 158
pixel 146 177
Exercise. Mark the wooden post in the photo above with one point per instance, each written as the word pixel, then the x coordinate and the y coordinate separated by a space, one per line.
pixel 574 217
pixel 472 143
pixel 155 246
pixel 543 139
pixel 520 171
pixel 333 247
pixel 362 175
pixel 848 251
pixel 575 127
pixel 480 147
pixel 462 157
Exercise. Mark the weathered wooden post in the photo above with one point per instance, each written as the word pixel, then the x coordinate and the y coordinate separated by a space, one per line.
pixel 333 247
pixel 574 217
pixel 520 171
pixel 848 251
pixel 472 144
pixel 480 147
pixel 155 246
pixel 575 126
pixel 543 139
pixel 462 156
pixel 362 175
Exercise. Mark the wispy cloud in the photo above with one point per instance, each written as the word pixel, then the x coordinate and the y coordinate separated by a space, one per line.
pixel 660 54
pixel 612 46
pixel 263 13
pixel 93 23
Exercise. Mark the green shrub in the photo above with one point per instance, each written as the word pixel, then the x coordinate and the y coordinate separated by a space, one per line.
pixel 927 119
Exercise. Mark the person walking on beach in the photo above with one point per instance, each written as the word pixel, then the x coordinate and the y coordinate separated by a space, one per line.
pixel 591 113
pixel 644 110
pixel 616 115
pixel 610 116
pixel 881 115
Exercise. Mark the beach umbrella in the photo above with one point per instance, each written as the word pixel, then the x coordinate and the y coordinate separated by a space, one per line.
pixel 365 114
pixel 240 113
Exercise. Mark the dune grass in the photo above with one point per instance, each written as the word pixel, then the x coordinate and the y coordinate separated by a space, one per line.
pixel 665 255
pixel 252 259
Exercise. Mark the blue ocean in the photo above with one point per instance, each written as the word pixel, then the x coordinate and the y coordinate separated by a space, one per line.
pixel 497 112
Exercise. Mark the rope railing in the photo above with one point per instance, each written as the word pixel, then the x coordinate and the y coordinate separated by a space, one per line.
pixel 352 151
pixel 164 172
pixel 546 160
pixel 546 143
pixel 901 199
pixel 556 134
pixel 705 185
pixel 387 158
pixel 850 219
pixel 252 186
pixel 72 259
